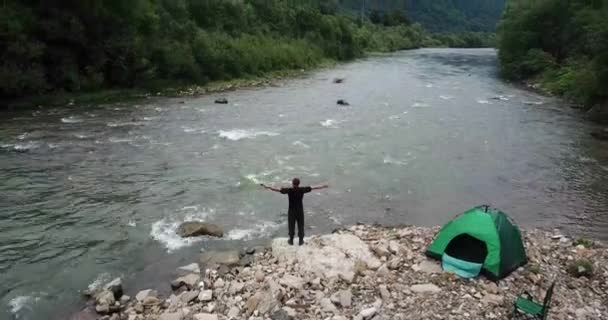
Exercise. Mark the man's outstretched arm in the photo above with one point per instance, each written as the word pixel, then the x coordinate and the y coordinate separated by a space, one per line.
pixel 270 188
pixel 322 186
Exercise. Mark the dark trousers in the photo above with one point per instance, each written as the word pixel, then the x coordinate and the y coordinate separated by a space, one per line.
pixel 292 218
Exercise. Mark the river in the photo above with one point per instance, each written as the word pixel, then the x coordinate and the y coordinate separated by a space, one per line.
pixel 90 193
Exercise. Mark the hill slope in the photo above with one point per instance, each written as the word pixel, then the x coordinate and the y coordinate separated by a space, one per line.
pixel 441 15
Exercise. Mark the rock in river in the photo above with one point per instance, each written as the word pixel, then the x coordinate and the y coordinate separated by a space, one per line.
pixel 228 258
pixel 221 101
pixel 197 228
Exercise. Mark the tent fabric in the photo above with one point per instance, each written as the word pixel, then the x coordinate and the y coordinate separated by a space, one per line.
pixel 504 248
pixel 464 269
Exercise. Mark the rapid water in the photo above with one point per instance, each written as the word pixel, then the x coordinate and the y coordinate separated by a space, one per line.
pixel 90 193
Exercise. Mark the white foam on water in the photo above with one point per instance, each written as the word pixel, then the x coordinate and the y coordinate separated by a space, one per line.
pixel 258 178
pixel 22 136
pixel 429 85
pixel 238 134
pixel 81 136
pixel 420 105
pixel 301 144
pixel 132 223
pixel 400 162
pixel 53 145
pixel 149 118
pixel 19 303
pixel 21 147
pixel 157 109
pixel 535 103
pixel 282 115
pixel 123 124
pixel 605 168
pixel 394 117
pixel 446 97
pixel 330 123
pixel 71 119
pixel 165 230
pixel 501 97
pixel 481 101
pixel 260 230
pixel 586 160
pixel 99 281
pixel 119 140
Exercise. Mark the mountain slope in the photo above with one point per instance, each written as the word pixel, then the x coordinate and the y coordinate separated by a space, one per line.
pixel 441 15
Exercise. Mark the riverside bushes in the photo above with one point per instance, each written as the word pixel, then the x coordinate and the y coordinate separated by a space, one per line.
pixel 74 46
pixel 563 45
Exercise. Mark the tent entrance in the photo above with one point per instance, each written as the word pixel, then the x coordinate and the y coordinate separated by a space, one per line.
pixel 467 248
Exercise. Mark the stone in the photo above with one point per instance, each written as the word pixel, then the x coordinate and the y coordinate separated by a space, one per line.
pixel 347 276
pixel 143 294
pixel 233 312
pixel 427 287
pixel 125 299
pixel 204 316
pixel 219 283
pixel 102 308
pixel 115 286
pixel 383 271
pixel 85 314
pixel 150 301
pixel 105 297
pixel 394 264
pixel 327 306
pixel 493 299
pixel 228 258
pixel 191 268
pixel 291 281
pixel 205 295
pixel 345 298
pixel 338 318
pixel 264 300
pixel 198 228
pixel 190 281
pixel 259 276
pixel 384 293
pixel 491 287
pixel 342 102
pixel 189 296
pixel 236 287
pixel 394 247
pixel 172 316
pixel 281 315
pixel 221 101
pixel 381 249
pixel 328 256
pixel 428 266
pixel 368 313
pixel 246 261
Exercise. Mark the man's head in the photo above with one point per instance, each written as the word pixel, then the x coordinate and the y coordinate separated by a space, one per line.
pixel 295 182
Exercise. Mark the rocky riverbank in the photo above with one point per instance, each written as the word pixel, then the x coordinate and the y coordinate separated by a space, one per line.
pixel 368 272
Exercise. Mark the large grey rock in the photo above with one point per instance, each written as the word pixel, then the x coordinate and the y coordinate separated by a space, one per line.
pixel 280 315
pixel 493 299
pixel 204 316
pixel 197 228
pixel 331 256
pixel 190 281
pixel 368 313
pixel 327 306
pixel 265 299
pixel 85 314
pixel 102 308
pixel 188 296
pixel 233 312
pixel 143 294
pixel 384 293
pixel 428 266
pixel 427 287
pixel 191 268
pixel 292 282
pixel 205 295
pixel 228 258
pixel 115 286
pixel 105 297
pixel 172 316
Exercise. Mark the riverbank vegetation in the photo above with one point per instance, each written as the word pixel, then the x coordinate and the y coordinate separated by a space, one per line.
pixel 75 46
pixel 562 45
pixel 66 46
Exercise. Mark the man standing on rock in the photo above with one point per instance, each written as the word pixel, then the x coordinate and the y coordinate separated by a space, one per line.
pixel 296 208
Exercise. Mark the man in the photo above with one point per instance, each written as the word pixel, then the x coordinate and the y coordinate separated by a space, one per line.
pixel 296 208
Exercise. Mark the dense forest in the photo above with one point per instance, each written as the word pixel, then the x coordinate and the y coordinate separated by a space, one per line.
pixel 86 45
pixel 562 45
pixel 440 15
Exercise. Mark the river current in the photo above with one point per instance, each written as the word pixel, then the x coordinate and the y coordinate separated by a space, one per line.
pixel 89 193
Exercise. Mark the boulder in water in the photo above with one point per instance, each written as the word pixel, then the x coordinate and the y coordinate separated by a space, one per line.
pixel 343 102
pixel 338 80
pixel 228 258
pixel 196 229
pixel 221 101
pixel 601 135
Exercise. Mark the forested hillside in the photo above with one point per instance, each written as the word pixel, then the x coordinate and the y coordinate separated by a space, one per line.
pixel 440 15
pixel 562 45
pixel 66 45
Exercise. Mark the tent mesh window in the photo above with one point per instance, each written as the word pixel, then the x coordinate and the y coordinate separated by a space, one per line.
pixel 465 247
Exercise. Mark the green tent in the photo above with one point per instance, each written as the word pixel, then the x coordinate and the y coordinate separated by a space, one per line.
pixel 482 235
